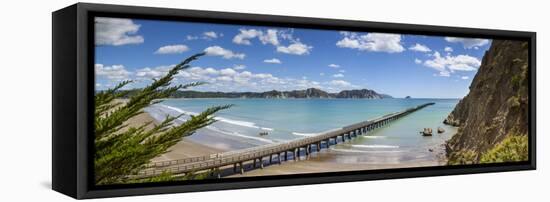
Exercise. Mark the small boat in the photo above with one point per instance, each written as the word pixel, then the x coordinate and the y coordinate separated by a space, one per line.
pixel 426 132
pixel 263 133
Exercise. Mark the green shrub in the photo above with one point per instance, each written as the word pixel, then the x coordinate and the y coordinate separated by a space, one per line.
pixel 462 157
pixel 512 149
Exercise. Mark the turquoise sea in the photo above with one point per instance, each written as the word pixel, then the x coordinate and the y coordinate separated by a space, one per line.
pixel 287 119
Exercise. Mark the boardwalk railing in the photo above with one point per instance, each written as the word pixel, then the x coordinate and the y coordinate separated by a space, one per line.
pixel 257 154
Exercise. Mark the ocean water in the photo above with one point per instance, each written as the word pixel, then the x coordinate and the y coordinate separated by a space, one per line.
pixel 288 119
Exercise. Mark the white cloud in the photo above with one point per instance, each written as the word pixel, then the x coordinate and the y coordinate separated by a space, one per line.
pixel 154 72
pixel 245 35
pixel 114 72
pixel 227 72
pixel 210 35
pixel 420 48
pixel 334 65
pixel 339 75
pixel 190 37
pixel 374 42
pixel 226 54
pixel 448 49
pixel 342 71
pixel 417 61
pixel 270 37
pixel 200 74
pixel 239 67
pixel 444 74
pixel 231 79
pixel 172 49
pixel 193 73
pixel 273 36
pixel 273 61
pixel 449 64
pixel 116 32
pixel 296 48
pixel 340 83
pixel 464 77
pixel 321 74
pixel 468 43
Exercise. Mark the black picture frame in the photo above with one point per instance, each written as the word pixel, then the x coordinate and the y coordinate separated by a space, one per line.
pixel 73 90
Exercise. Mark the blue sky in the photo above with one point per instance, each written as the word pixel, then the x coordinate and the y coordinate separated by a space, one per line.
pixel 255 58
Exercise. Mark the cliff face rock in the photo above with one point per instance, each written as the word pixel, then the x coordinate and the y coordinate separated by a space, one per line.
pixel 496 106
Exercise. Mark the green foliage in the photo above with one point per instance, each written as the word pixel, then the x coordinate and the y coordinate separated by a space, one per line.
pixel 168 177
pixel 462 157
pixel 512 149
pixel 121 150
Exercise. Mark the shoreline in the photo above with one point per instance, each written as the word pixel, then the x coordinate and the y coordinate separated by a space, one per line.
pixel 331 160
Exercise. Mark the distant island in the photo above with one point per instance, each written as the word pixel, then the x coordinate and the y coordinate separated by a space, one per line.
pixel 274 94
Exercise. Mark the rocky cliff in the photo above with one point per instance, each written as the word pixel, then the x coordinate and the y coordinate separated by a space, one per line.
pixel 496 106
pixel 364 93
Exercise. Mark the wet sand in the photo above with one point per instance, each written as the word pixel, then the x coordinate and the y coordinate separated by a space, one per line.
pixel 329 161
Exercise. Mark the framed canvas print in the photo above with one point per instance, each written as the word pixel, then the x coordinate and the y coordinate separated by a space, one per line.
pixel 155 100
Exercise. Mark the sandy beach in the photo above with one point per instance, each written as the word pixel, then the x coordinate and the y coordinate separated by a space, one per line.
pixel 327 161
pixel 183 149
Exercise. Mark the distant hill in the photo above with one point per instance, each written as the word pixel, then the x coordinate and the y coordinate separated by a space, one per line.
pixel 307 93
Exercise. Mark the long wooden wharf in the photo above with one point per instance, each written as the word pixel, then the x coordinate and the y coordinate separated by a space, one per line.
pixel 260 155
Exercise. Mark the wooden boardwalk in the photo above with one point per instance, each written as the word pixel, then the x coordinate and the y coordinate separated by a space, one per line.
pixel 258 156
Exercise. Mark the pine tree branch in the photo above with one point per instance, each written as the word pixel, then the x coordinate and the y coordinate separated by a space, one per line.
pixel 122 151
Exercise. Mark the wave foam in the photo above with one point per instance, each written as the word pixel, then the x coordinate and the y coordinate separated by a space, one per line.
pixel 376 146
pixel 373 137
pixel 305 134
pixel 222 119
pixel 240 135
pixel 361 151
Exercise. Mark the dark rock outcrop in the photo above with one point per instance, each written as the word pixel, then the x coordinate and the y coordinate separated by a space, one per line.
pixel 496 106
pixel 364 93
